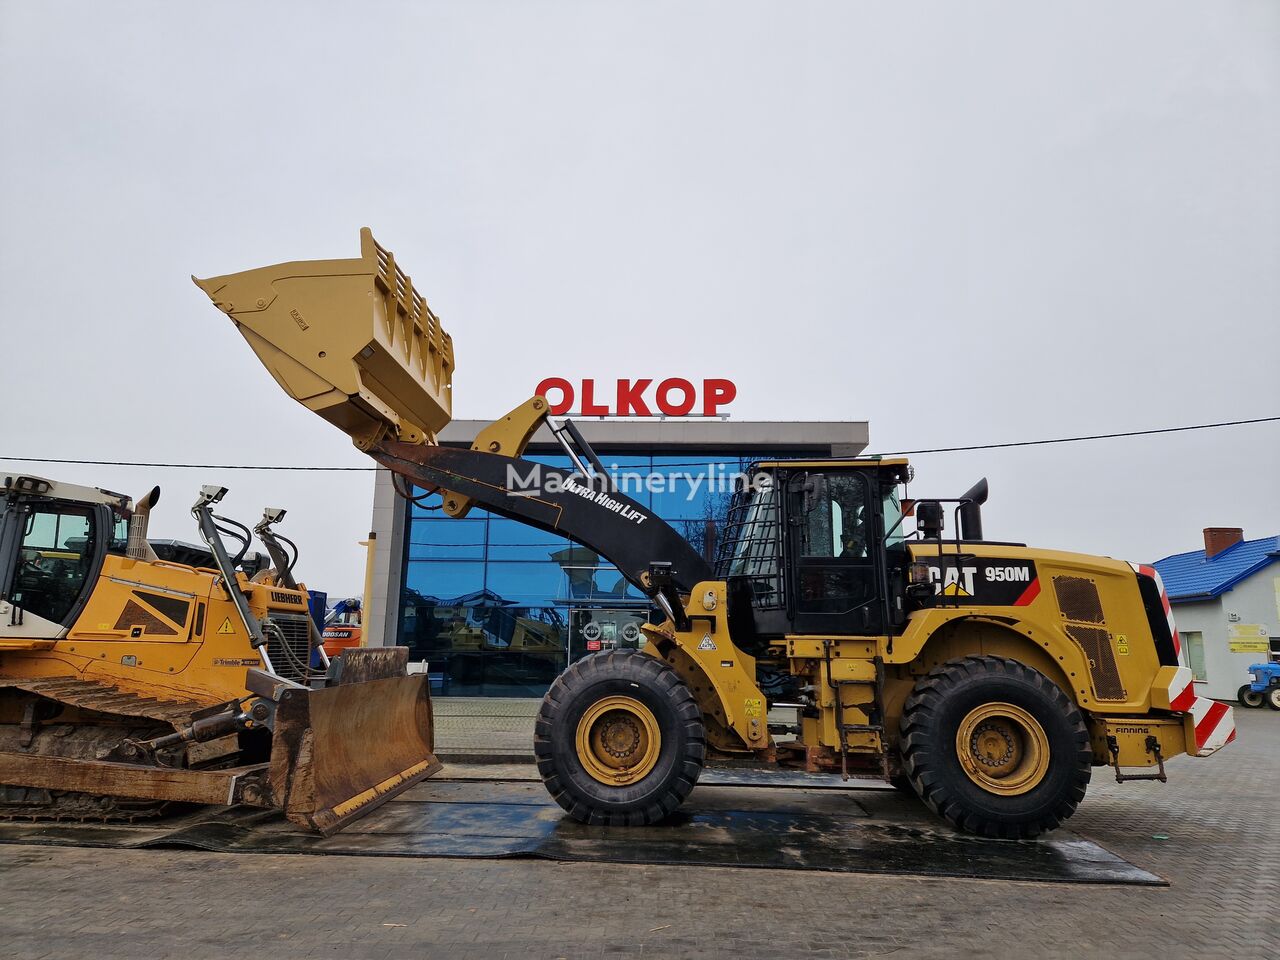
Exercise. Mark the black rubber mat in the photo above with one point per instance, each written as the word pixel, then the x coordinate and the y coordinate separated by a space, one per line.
pixel 738 824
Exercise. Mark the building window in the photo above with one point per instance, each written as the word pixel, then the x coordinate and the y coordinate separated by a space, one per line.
pixel 499 608
pixel 1195 653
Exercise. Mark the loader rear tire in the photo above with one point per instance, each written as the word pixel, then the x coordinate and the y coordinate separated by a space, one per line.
pixel 902 784
pixel 1273 698
pixel 1249 697
pixel 995 748
pixel 619 739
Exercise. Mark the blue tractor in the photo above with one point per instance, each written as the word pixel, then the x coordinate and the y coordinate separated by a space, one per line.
pixel 1263 686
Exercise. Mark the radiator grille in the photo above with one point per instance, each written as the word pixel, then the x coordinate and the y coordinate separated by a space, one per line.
pixel 1078 599
pixel 294 631
pixel 1096 644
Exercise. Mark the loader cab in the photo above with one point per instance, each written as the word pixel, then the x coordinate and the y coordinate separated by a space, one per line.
pixel 816 547
pixel 53 539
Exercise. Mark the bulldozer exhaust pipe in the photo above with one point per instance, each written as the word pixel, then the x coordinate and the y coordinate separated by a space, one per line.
pixel 139 548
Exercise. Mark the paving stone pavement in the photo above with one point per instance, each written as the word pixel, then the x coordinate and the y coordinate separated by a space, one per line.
pixel 484 729
pixel 1214 832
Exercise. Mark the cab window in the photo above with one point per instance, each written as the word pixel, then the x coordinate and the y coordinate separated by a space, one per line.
pixel 836 519
pixel 54 561
pixel 835 574
pixel 119 542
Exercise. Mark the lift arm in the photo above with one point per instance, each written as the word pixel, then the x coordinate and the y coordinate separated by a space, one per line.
pixel 585 510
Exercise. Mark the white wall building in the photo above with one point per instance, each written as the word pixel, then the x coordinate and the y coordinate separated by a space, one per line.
pixel 1226 602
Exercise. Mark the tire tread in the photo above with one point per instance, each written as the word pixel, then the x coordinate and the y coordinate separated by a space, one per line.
pixel 921 762
pixel 636 667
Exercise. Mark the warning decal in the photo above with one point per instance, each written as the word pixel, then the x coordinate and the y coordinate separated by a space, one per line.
pixel 707 643
pixel 226 626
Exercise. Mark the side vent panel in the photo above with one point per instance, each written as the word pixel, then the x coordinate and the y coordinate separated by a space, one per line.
pixel 1096 644
pixel 135 615
pixel 1081 607
pixel 1078 599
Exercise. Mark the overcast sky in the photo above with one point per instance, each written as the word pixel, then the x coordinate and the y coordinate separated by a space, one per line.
pixel 965 223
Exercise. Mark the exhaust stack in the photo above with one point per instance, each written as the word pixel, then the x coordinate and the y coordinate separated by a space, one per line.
pixel 139 547
pixel 971 511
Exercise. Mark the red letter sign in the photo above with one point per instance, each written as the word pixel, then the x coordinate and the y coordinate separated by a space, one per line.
pixel 716 393
pixel 631 398
pixel 566 394
pixel 664 397
pixel 589 406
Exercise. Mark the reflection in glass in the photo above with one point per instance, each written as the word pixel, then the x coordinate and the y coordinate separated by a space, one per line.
pixel 499 608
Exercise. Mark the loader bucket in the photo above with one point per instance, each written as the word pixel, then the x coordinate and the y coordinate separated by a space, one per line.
pixel 338 752
pixel 351 340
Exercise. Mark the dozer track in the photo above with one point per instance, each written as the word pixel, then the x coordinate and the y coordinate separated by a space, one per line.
pixel 111 717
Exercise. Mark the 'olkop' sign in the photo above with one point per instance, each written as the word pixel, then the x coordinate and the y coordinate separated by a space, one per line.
pixel 672 397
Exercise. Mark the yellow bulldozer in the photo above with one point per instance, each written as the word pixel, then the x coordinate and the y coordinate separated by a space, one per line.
pixel 130 683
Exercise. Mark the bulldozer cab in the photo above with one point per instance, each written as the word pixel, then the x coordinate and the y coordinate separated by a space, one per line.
pixel 53 540
pixel 814 547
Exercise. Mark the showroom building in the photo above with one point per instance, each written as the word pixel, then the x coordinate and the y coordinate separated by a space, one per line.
pixel 498 608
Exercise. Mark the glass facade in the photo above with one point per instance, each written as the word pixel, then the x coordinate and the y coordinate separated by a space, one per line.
pixel 498 608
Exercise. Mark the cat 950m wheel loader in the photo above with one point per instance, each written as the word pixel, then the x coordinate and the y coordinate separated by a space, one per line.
pixel 988 677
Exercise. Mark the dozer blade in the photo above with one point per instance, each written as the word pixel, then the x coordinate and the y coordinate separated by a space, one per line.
pixel 351 340
pixel 339 752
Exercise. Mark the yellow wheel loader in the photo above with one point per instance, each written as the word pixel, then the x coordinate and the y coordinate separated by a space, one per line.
pixel 989 678
pixel 130 683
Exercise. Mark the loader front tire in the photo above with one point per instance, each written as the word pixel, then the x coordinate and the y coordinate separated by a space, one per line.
pixel 995 747
pixel 619 739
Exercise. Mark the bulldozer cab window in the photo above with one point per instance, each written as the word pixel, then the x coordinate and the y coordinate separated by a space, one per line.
pixel 119 542
pixel 834 546
pixel 55 560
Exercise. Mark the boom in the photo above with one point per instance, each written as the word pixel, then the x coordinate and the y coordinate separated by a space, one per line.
pixel 583 509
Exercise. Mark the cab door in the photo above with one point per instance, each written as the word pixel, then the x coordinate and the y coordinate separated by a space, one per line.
pixel 52 552
pixel 834 549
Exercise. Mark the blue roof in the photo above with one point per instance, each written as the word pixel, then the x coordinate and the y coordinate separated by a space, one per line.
pixel 1189 576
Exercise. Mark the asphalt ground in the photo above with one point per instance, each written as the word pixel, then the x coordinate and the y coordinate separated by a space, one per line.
pixel 1213 832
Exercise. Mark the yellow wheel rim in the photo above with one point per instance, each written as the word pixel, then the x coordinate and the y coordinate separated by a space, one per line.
pixel 618 741
pixel 1003 749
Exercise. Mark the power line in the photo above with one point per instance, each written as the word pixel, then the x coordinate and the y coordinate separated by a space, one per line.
pixel 185 466
pixel 1094 436
pixel 894 453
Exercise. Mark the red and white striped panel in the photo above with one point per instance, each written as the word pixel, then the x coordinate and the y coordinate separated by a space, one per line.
pixel 1215 724
pixel 1143 570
